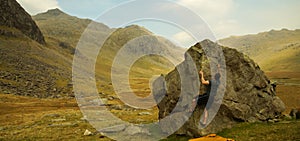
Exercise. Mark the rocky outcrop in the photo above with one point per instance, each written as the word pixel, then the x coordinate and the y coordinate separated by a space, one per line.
pixel 249 95
pixel 14 16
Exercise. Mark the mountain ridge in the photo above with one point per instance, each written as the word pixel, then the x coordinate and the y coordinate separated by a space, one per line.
pixel 281 46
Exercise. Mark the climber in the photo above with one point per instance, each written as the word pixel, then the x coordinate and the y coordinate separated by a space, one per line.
pixel 209 96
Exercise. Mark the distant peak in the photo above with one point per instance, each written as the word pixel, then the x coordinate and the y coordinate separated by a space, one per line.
pixel 207 41
pixel 134 26
pixel 55 12
pixel 137 27
pixel 279 30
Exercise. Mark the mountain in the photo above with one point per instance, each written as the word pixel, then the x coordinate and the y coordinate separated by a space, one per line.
pixel 140 40
pixel 64 31
pixel 45 70
pixel 249 95
pixel 12 15
pixel 57 25
pixel 276 50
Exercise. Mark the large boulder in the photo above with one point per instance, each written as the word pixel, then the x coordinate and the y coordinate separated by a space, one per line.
pixel 14 16
pixel 248 94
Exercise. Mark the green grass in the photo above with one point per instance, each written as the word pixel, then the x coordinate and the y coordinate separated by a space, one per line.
pixel 287 130
pixel 282 131
pixel 25 118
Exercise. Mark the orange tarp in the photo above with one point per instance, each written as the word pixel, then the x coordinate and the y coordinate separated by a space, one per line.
pixel 211 137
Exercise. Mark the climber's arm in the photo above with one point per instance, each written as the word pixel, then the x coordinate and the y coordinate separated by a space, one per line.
pixel 203 81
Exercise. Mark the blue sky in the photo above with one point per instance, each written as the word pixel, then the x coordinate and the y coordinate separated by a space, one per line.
pixel 224 17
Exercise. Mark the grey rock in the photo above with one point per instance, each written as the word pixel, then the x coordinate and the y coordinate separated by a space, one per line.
pixel 295 113
pixel 112 98
pixel 87 133
pixel 277 120
pixel 249 95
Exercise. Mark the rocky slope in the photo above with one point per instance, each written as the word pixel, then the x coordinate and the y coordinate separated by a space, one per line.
pixel 29 66
pixel 249 95
pixel 30 69
pixel 14 16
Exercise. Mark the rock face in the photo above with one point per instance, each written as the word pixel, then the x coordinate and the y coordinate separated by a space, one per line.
pixel 13 15
pixel 249 95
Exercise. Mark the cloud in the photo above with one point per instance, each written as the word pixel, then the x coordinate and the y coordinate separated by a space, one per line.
pixel 37 6
pixel 209 8
pixel 182 39
pixel 216 13
pixel 232 17
pixel 226 28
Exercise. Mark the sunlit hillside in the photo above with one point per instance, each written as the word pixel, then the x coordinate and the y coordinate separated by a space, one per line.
pixel 276 50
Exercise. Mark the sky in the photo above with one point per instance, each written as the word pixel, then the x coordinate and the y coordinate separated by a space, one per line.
pixel 224 17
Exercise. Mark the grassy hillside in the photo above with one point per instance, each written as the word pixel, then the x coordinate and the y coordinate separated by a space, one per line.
pixel 143 69
pixel 273 51
pixel 50 65
pixel 65 30
pixel 58 25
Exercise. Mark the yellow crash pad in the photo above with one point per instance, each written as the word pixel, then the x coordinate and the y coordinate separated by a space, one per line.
pixel 211 137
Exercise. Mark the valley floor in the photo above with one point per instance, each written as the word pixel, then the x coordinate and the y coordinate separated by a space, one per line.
pixel 27 118
pixel 288 88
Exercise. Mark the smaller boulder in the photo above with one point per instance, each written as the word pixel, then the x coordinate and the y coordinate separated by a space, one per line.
pixel 87 133
pixel 295 113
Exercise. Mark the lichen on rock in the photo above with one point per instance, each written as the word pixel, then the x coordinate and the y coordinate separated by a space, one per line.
pixel 249 95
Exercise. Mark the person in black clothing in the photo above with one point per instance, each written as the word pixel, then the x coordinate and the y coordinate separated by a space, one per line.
pixel 200 99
